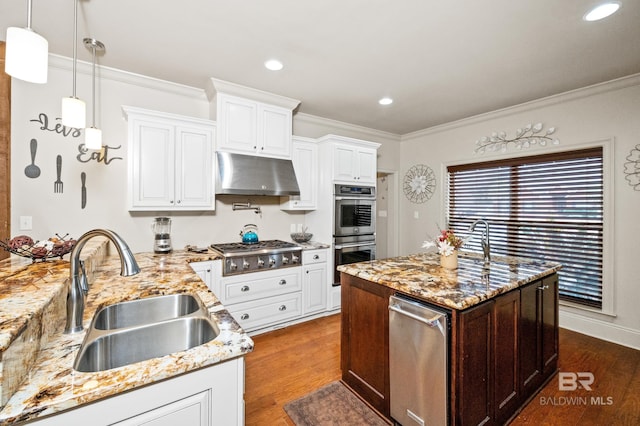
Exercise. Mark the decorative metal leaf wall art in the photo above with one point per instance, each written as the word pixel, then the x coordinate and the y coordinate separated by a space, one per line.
pixel 632 168
pixel 531 134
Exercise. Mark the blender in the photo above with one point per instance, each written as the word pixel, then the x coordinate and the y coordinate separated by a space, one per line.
pixel 161 229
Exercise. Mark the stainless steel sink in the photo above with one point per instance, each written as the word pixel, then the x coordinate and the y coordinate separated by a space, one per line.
pixel 145 311
pixel 103 350
pixel 128 332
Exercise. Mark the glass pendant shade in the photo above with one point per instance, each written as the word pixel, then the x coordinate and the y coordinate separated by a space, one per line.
pixel 93 138
pixel 27 55
pixel 74 113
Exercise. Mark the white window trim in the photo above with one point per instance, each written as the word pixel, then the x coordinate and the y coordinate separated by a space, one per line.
pixel 608 174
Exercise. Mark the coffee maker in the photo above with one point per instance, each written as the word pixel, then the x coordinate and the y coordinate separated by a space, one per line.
pixel 162 229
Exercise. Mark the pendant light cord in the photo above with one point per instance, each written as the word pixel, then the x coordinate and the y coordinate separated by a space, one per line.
pixel 75 44
pixel 29 15
pixel 93 86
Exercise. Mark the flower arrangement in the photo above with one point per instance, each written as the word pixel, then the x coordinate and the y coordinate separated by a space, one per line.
pixel 447 242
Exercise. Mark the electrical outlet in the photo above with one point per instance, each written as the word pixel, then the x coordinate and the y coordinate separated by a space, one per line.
pixel 26 223
pixel 416 214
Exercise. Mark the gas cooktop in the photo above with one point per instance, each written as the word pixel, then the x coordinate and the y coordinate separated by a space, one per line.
pixel 262 246
pixel 261 256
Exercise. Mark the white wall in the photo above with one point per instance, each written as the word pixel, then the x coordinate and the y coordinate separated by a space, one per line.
pixel 608 111
pixel 107 184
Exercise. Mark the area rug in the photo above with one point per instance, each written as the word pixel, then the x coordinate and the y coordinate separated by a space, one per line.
pixel 333 405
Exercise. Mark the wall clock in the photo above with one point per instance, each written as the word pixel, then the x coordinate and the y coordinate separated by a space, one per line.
pixel 419 183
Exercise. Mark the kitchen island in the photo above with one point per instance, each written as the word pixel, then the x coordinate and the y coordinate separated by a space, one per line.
pixel 503 337
pixel 39 357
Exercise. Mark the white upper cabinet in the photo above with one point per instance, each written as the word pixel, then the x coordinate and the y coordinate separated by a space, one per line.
pixel 170 161
pixel 251 121
pixel 305 163
pixel 353 160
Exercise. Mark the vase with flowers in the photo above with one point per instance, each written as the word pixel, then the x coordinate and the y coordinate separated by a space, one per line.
pixel 448 244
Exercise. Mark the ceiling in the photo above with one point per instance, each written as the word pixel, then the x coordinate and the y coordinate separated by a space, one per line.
pixel 440 60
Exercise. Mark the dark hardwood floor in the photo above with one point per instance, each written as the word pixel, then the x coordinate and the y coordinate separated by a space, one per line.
pixel 289 363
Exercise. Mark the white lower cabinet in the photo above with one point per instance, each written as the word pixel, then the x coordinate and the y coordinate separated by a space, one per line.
pixel 314 281
pixel 260 299
pixel 268 311
pixel 206 271
pixel 207 397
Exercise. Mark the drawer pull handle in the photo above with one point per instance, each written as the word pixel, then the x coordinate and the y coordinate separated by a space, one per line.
pixel 282 308
pixel 316 257
pixel 244 316
pixel 282 282
pixel 544 287
pixel 245 288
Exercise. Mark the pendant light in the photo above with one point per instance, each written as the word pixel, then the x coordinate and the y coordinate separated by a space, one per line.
pixel 73 109
pixel 93 135
pixel 27 53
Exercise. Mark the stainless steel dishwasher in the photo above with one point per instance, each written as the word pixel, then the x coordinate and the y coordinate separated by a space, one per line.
pixel 418 362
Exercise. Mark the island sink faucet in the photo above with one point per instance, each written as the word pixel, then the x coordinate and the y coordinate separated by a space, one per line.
pixel 78 285
pixel 486 246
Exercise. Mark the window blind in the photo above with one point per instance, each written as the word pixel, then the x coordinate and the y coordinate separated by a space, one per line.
pixel 546 207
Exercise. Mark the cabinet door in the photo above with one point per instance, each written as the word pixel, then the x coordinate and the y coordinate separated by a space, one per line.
pixel 194 167
pixel 314 291
pixel 344 161
pixel 237 123
pixel 191 411
pixel 549 323
pixel 474 390
pixel 153 157
pixel 366 159
pixel 274 131
pixel 529 339
pixel 365 340
pixel 305 164
pixel 204 270
pixel 506 318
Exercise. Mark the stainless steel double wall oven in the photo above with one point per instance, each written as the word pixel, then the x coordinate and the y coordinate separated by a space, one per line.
pixel 354 230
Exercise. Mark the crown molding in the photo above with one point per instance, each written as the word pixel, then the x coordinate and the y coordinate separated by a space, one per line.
pixel 583 92
pixel 82 67
pixel 302 117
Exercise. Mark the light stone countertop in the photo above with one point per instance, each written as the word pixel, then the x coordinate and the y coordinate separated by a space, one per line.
pixel 420 275
pixel 52 385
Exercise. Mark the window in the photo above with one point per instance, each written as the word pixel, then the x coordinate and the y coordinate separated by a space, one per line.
pixel 547 207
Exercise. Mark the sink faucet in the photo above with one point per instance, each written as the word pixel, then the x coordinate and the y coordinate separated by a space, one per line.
pixel 78 285
pixel 486 247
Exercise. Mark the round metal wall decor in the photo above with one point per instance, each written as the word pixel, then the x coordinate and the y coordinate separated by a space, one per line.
pixel 419 183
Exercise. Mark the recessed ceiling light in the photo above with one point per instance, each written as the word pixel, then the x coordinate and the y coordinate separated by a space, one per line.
pixel 385 101
pixel 602 11
pixel 273 65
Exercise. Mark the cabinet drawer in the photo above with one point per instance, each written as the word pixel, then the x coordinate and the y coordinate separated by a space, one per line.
pixel 259 313
pixel 252 287
pixel 314 256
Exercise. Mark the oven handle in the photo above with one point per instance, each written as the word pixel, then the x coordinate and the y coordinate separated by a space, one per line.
pixel 355 198
pixel 343 246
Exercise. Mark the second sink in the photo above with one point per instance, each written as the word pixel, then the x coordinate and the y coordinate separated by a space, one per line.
pixel 145 311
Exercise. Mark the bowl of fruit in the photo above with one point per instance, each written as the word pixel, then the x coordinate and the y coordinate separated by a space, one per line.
pixel 25 246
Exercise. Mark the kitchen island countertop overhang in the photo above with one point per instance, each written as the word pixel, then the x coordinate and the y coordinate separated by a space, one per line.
pixel 474 281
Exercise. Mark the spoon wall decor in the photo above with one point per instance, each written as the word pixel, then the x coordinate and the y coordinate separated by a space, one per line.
pixel 32 171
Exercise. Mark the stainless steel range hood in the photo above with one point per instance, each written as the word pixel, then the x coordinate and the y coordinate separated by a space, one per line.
pixel 240 174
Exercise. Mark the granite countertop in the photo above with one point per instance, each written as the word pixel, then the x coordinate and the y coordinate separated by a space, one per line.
pixel 421 276
pixel 52 385
pixel 313 245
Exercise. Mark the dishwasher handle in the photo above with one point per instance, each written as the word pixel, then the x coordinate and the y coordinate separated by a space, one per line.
pixel 431 322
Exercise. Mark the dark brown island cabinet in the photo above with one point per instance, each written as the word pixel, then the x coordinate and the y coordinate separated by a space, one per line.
pixel 502 350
